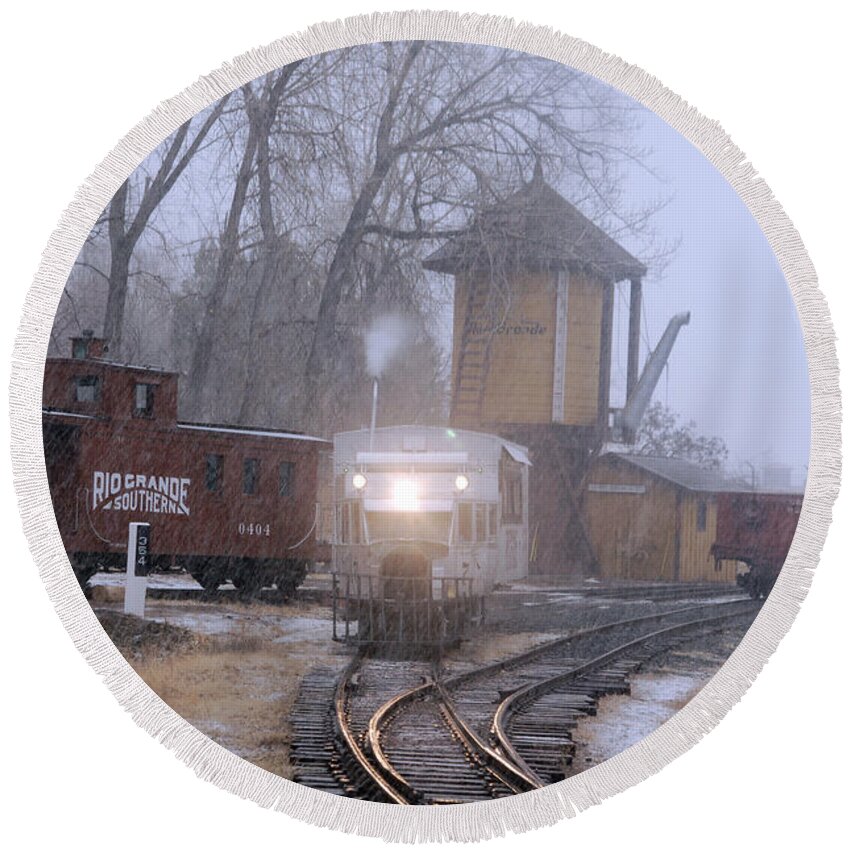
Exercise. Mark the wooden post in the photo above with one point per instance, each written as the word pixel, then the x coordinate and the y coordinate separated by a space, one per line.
pixel 634 336
pixel 559 365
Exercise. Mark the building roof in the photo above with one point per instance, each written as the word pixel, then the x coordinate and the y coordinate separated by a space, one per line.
pixel 686 474
pixel 112 364
pixel 536 227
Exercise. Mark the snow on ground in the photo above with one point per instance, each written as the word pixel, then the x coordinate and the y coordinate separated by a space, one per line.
pixel 157 581
pixel 305 628
pixel 624 720
pixel 291 624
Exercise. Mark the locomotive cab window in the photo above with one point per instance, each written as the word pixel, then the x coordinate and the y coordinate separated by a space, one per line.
pixel 143 400
pixel 464 522
pixel 87 389
pixel 350 523
pixel 512 507
pixel 250 476
pixel 480 522
pixel 214 473
pixel 286 478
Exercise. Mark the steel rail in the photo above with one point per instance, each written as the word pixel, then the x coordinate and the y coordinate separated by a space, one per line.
pixel 548 646
pixel 349 739
pixel 515 701
pixel 514 775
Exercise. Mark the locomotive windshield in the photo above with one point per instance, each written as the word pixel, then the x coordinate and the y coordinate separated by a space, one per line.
pixel 430 526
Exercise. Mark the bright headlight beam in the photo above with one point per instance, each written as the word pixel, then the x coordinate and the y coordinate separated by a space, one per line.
pixel 405 496
pixel 358 480
pixel 461 483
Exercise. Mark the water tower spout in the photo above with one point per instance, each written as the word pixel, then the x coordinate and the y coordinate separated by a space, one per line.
pixel 628 420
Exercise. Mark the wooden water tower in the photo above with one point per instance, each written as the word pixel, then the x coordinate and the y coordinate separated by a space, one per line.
pixel 531 354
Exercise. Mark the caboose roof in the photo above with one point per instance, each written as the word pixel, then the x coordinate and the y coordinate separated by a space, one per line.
pixel 536 227
pixel 250 432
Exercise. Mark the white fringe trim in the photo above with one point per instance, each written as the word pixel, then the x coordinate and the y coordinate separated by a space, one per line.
pixel 472 821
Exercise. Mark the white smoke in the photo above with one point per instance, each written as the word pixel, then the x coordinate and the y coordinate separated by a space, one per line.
pixel 385 338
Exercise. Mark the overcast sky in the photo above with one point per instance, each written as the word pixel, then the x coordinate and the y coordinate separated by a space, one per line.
pixel 739 368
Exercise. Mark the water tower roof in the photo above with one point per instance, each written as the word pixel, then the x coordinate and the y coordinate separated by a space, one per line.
pixel 536 227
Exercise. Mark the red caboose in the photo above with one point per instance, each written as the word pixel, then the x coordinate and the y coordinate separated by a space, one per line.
pixel 756 529
pixel 225 503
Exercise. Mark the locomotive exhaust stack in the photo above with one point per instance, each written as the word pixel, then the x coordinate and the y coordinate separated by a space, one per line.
pixel 374 414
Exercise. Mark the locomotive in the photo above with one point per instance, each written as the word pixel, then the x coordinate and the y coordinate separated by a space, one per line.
pixel 756 529
pixel 225 503
pixel 428 520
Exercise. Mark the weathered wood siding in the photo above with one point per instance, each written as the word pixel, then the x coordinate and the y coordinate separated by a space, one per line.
pixel 521 372
pixel 518 387
pixel 696 561
pixel 584 320
pixel 653 535
pixel 633 534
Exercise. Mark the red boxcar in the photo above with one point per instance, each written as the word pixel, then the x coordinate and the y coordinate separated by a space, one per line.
pixel 225 503
pixel 757 529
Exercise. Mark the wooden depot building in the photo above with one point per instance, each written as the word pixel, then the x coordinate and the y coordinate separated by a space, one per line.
pixel 655 518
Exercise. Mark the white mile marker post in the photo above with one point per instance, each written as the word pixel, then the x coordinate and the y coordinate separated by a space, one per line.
pixel 138 563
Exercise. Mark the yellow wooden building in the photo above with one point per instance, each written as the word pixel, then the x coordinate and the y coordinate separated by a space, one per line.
pixel 532 341
pixel 655 519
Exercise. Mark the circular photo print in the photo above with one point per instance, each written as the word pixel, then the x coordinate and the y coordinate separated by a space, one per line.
pixel 426 423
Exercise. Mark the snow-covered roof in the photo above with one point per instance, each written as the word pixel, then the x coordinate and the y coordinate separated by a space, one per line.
pixel 250 432
pixel 685 473
pixel 53 411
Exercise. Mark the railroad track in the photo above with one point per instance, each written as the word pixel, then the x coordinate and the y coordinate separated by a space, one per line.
pixel 532 725
pixel 405 734
pixel 660 592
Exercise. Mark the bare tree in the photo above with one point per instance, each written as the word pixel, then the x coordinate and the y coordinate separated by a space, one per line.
pixel 127 217
pixel 290 91
pixel 661 434
pixel 451 123
pixel 328 182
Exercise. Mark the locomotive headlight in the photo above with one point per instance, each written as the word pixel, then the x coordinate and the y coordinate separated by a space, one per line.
pixel 358 480
pixel 461 483
pixel 405 495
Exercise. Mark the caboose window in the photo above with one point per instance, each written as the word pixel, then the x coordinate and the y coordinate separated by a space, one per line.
pixel 143 400
pixel 250 476
pixel 214 472
pixel 286 479
pixel 87 389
